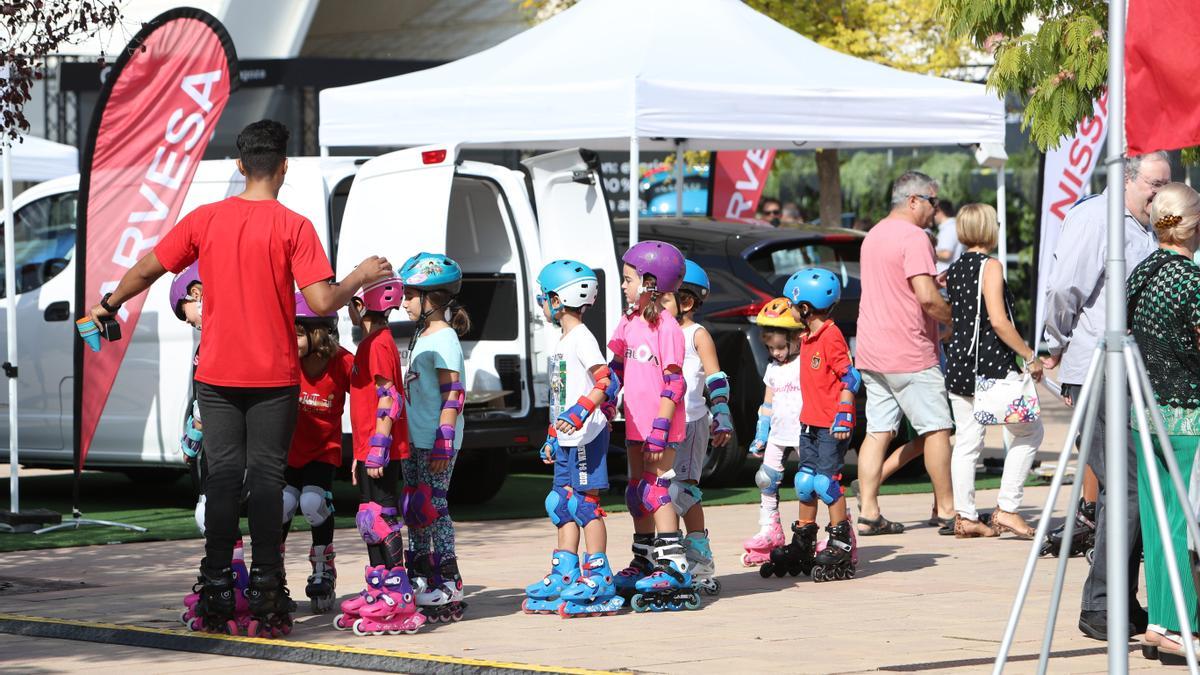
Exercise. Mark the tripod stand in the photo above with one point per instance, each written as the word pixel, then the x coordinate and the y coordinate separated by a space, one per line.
pixel 1146 413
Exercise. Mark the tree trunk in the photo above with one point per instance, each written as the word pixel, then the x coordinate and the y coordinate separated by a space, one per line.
pixel 830 179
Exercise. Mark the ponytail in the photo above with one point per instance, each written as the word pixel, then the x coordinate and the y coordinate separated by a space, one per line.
pixel 654 306
pixel 456 314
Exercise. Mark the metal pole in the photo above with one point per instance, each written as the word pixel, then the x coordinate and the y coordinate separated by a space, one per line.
pixel 10 298
pixel 679 177
pixel 1002 217
pixel 1117 410
pixel 635 180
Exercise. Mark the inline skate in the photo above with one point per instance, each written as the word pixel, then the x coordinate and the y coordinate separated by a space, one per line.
pixel 769 537
pixel 271 604
pixel 594 593
pixel 1083 538
pixel 542 597
pixel 443 601
pixel 215 610
pixel 795 557
pixel 853 542
pixel 241 579
pixel 393 611
pixel 669 588
pixel 836 561
pixel 352 607
pixel 700 563
pixel 322 583
pixel 639 568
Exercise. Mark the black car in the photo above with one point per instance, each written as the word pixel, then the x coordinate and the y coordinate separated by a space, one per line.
pixel 747 266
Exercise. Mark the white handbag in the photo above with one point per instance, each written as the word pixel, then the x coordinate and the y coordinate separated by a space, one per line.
pixel 1009 400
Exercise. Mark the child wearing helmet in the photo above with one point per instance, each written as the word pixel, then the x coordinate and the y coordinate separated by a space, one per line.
pixel 648 352
pixel 828 383
pixel 778 427
pixel 379 423
pixel 702 373
pixel 316 449
pixel 581 387
pixel 436 396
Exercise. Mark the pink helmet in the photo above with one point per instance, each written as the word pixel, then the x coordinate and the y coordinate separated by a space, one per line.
pixel 181 288
pixel 660 260
pixel 382 295
pixel 304 313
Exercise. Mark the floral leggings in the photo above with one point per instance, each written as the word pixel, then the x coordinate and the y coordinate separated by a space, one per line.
pixel 438 537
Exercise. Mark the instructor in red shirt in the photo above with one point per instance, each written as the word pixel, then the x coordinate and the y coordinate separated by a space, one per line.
pixel 253 252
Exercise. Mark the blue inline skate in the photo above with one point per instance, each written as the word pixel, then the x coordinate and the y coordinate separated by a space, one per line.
pixel 542 597
pixel 670 587
pixel 639 568
pixel 594 594
pixel 700 563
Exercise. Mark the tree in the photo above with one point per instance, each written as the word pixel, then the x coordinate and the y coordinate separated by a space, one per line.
pixel 33 30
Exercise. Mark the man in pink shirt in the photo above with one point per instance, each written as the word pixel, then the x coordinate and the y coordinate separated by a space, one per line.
pixel 898 348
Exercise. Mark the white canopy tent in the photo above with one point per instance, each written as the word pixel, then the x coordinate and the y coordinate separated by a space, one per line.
pixel 37 159
pixel 612 74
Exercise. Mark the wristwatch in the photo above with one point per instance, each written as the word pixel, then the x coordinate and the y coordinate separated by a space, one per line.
pixel 107 307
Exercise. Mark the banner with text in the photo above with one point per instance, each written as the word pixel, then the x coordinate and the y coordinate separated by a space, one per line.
pixel 154 117
pixel 738 179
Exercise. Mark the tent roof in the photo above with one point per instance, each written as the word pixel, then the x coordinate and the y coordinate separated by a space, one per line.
pixel 37 159
pixel 712 71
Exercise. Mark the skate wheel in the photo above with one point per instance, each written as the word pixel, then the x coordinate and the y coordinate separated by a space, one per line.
pixel 231 627
pixel 765 570
pixel 456 615
pixel 715 588
pixel 1091 556
pixel 185 617
pixel 639 603
pixel 781 571
pixel 337 622
pixel 358 629
pixel 525 607
pixel 252 628
pixel 692 602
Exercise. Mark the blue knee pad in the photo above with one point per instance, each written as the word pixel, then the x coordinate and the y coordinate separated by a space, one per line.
pixel 768 478
pixel 828 488
pixel 586 509
pixel 805 483
pixel 558 505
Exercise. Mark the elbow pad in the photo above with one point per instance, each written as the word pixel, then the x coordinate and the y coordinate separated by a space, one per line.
pixel 392 411
pixel 454 403
pixel 852 380
pixel 602 380
pixel 673 387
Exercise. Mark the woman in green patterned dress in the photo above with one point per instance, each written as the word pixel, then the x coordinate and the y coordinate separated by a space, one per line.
pixel 1164 293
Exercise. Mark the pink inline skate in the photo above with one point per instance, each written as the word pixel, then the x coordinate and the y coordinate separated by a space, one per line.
pixel 352 607
pixel 241 581
pixel 394 609
pixel 770 536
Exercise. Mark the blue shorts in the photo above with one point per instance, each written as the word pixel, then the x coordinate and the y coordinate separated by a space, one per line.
pixel 585 467
pixel 821 452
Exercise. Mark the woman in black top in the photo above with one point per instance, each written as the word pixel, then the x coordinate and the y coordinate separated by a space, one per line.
pixel 985 323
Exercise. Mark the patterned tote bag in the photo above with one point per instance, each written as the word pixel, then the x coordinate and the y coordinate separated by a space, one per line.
pixel 1008 400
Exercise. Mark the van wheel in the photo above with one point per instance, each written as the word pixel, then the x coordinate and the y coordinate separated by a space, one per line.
pixel 722 466
pixel 478 475
pixel 155 476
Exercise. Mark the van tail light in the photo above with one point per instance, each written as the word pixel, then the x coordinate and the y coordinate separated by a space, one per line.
pixel 433 156
pixel 745 311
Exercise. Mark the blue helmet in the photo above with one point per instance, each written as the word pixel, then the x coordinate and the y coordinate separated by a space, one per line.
pixel 431 272
pixel 695 280
pixel 574 283
pixel 819 288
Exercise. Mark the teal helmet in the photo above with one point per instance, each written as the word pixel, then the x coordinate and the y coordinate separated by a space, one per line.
pixel 574 283
pixel 818 288
pixel 431 272
pixel 695 280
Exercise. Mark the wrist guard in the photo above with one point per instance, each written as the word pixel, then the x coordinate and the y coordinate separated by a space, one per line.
pixel 443 443
pixel 577 414
pixel 550 448
pixel 192 440
pixel 656 440
pixel 762 429
pixel 844 419
pixel 380 452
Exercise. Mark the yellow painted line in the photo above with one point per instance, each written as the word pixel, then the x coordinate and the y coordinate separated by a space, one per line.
pixel 318 646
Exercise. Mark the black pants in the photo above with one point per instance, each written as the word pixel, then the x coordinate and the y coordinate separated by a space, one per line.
pixel 247 432
pixel 318 474
pixel 382 491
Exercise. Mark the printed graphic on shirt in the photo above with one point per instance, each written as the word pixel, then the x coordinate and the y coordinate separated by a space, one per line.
pixel 816 361
pixel 642 353
pixel 314 404
pixel 558 384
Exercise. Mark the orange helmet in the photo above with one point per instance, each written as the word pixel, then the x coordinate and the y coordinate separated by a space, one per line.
pixel 778 314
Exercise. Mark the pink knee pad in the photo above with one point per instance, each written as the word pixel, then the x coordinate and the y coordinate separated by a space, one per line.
pixel 417 504
pixel 372 520
pixel 633 498
pixel 655 492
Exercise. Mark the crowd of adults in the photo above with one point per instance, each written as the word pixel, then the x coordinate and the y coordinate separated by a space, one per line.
pixel 935 328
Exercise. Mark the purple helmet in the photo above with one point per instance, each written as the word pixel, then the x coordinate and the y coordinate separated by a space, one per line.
pixel 659 259
pixel 181 288
pixel 304 313
pixel 382 295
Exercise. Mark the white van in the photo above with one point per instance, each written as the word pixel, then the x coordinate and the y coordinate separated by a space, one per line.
pixel 501 225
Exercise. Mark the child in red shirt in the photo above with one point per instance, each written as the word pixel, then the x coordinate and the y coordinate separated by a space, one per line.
pixel 828 382
pixel 380 427
pixel 316 449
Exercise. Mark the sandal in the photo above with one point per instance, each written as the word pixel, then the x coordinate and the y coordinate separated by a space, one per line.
pixel 945 526
pixel 1170 649
pixel 878 526
pixel 969 529
pixel 1016 524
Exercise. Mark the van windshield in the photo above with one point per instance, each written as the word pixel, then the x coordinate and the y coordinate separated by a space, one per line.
pixel 776 262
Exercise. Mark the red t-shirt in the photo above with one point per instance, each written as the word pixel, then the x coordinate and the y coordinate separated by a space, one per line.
pixel 253 255
pixel 318 436
pixel 377 356
pixel 824 359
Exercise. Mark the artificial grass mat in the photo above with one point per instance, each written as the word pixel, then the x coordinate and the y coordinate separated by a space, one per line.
pixel 166 510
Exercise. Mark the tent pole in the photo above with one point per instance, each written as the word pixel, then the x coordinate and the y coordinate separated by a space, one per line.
pixel 324 150
pixel 10 301
pixel 1002 217
pixel 679 177
pixel 635 179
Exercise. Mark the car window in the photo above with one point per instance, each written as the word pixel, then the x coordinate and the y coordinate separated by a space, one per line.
pixel 724 288
pixel 45 239
pixel 777 262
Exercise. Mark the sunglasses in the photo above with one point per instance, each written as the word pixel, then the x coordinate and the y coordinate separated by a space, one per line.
pixel 773 212
pixel 933 201
pixel 541 299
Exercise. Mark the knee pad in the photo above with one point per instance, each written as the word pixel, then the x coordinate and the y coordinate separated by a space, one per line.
pixel 684 496
pixel 768 479
pixel 200 513
pixel 633 498
pixel 291 502
pixel 655 492
pixel 417 504
pixel 316 504
pixel 828 488
pixel 805 484
pixel 586 508
pixel 376 522
pixel 558 505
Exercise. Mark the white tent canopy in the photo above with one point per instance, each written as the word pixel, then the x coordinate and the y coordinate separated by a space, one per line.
pixel 714 72
pixel 37 159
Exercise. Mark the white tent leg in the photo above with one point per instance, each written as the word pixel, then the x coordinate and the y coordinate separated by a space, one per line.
pixel 1002 217
pixel 324 150
pixel 679 177
pixel 10 297
pixel 634 199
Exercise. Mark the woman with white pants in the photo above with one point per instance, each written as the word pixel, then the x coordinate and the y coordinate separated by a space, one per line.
pixel 985 342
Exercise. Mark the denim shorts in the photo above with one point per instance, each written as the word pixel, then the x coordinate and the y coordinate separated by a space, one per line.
pixel 821 452
pixel 584 467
